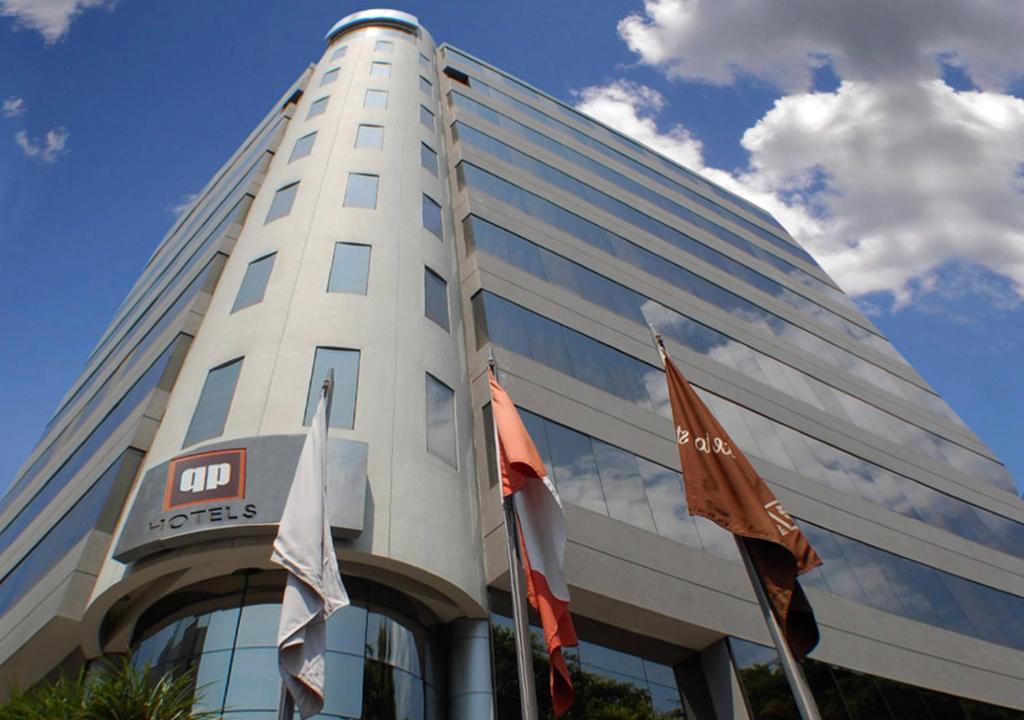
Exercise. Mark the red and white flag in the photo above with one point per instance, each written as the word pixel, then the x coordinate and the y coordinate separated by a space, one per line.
pixel 542 535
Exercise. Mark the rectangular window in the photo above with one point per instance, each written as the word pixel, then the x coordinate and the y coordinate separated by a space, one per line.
pixel 329 77
pixel 370 137
pixel 303 147
pixel 380 69
pixel 345 364
pixel 427 118
pixel 424 62
pixel 426 86
pixel 441 420
pixel 214 402
pixel 435 297
pixel 281 205
pixel 339 53
pixel 432 217
pixel 350 269
pixel 319 107
pixel 376 99
pixel 384 46
pixel 361 191
pixel 428 158
pixel 254 284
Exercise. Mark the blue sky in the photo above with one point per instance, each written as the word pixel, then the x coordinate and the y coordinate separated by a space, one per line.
pixel 125 109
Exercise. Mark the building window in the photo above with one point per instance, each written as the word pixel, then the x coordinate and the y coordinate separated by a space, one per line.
pixel 214 402
pixel 427 118
pixel 384 46
pixel 428 158
pixel 281 205
pixel 319 107
pixel 303 147
pixel 350 269
pixel 361 191
pixel 376 99
pixel 435 297
pixel 254 284
pixel 441 420
pixel 432 217
pixel 339 53
pixel 426 86
pixel 370 137
pixel 424 62
pixel 345 364
pixel 380 69
pixel 329 77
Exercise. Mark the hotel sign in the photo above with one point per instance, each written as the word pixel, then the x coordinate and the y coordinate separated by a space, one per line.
pixel 235 489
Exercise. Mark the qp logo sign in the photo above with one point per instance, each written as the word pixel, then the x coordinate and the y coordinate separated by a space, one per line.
pixel 204 477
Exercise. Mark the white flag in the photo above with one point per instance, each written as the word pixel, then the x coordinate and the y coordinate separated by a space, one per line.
pixel 314 590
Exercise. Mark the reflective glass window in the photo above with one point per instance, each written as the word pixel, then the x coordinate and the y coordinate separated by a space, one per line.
pixel 214 403
pixel 319 107
pixel 329 77
pixel 435 300
pixel 432 217
pixel 384 46
pixel 303 147
pixel 350 269
pixel 376 99
pixel 254 284
pixel 345 364
pixel 380 69
pixel 424 62
pixel 428 159
pixel 282 203
pixel 427 118
pixel 361 191
pixel 339 53
pixel 441 420
pixel 426 86
pixel 370 137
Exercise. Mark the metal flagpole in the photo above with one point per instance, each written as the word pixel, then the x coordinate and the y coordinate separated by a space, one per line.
pixel 286 703
pixel 524 649
pixel 794 674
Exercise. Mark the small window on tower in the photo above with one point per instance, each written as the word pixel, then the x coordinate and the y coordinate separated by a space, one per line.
pixel 428 159
pixel 319 107
pixel 361 191
pixel 350 269
pixel 370 137
pixel 432 217
pixel 329 77
pixel 254 284
pixel 380 69
pixel 376 99
pixel 303 147
pixel 427 119
pixel 281 205
pixel 426 86
pixel 384 46
pixel 457 75
pixel 339 53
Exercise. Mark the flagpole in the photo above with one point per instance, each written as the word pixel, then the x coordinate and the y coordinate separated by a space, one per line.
pixel 524 649
pixel 286 703
pixel 794 674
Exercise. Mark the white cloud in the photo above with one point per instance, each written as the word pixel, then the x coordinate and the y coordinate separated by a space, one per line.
pixel 183 204
pixel 49 148
pixel 13 106
pixel 52 18
pixel 894 181
pixel 631 108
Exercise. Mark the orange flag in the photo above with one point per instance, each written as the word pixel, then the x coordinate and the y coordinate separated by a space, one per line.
pixel 542 535
pixel 723 486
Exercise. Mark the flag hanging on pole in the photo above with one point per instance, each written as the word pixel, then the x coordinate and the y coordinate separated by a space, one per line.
pixel 723 486
pixel 314 590
pixel 542 534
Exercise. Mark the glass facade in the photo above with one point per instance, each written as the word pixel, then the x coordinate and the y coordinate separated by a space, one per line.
pixel 843 694
pixel 609 682
pixel 380 662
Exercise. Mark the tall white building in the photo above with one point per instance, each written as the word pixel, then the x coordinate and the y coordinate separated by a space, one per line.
pixel 403 210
